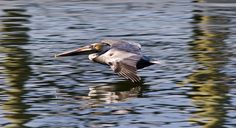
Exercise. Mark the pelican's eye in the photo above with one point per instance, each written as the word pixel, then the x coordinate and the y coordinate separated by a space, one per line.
pixel 98 47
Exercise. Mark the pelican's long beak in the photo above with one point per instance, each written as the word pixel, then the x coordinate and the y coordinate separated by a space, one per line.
pixel 79 51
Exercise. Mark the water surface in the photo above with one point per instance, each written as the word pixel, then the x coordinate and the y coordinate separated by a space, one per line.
pixel 194 87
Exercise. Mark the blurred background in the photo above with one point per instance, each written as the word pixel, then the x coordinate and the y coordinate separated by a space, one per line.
pixel 194 87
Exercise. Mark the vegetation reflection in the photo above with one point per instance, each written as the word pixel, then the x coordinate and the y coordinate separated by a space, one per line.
pixel 15 66
pixel 209 91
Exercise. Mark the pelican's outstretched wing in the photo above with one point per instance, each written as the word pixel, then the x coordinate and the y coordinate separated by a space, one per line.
pixel 127 46
pixel 123 63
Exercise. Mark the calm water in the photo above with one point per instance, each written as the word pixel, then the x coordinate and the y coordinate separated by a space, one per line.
pixel 194 87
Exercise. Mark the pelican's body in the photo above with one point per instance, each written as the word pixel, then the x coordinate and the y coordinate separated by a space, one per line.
pixel 123 57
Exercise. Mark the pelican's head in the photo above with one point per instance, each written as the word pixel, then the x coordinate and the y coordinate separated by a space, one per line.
pixel 98 48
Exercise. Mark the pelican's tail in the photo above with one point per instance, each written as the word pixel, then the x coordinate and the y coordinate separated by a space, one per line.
pixel 155 62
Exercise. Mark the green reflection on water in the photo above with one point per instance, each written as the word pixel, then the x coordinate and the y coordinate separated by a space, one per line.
pixel 209 91
pixel 15 66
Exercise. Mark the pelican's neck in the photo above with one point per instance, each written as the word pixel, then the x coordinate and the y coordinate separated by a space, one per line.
pixel 95 57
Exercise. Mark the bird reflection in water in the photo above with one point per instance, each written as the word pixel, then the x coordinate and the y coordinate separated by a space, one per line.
pixel 114 92
pixel 106 94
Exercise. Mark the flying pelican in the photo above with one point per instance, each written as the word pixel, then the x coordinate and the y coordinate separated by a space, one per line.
pixel 123 57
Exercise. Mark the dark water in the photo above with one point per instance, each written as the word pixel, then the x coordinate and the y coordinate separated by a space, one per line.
pixel 194 87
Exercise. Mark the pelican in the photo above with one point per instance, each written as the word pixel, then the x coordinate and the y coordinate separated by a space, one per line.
pixel 123 57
